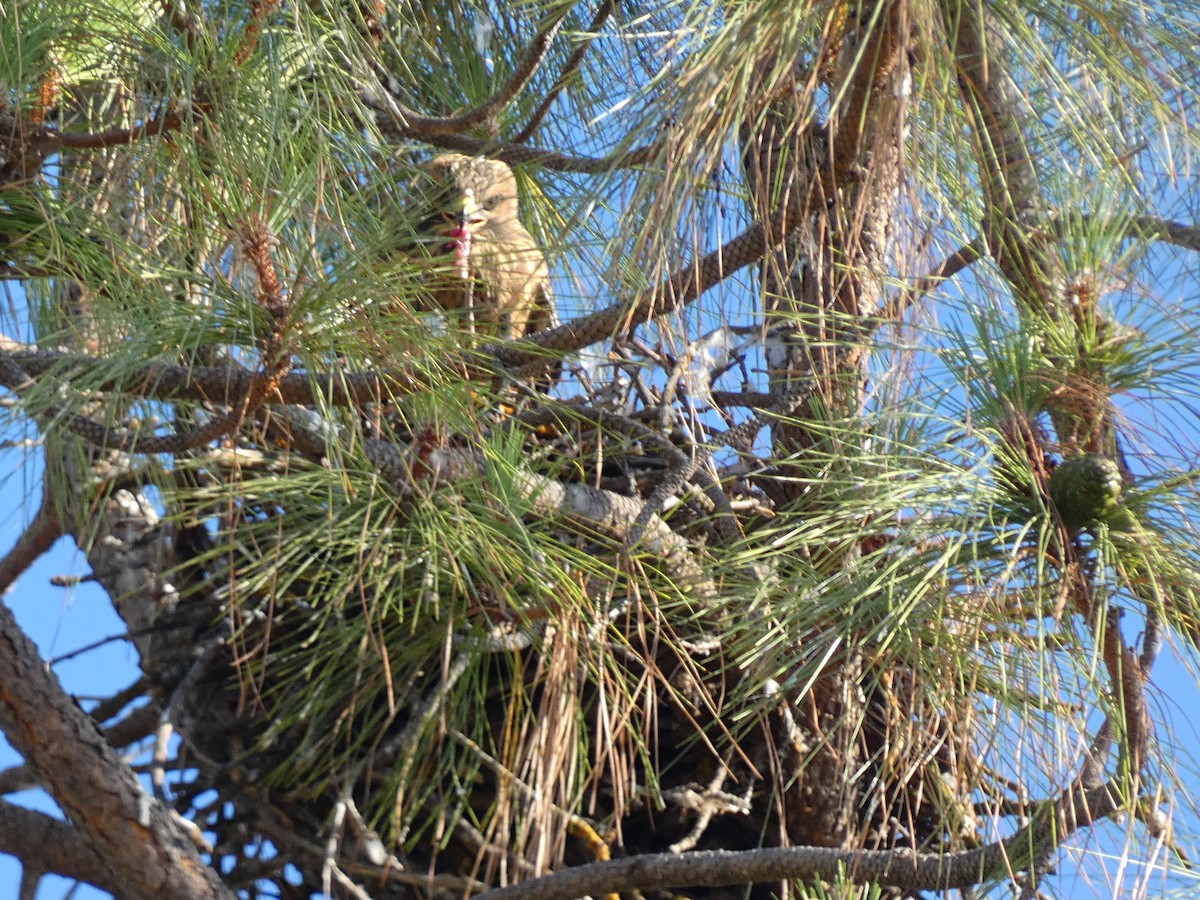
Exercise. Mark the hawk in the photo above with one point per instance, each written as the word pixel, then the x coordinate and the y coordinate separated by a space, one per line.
pixel 489 265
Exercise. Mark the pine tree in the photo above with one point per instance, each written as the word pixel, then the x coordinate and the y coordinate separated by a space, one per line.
pixel 838 560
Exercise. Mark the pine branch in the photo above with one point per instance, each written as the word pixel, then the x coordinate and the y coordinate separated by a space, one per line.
pixel 902 869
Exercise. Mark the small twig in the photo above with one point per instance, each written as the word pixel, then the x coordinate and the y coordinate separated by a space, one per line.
pixel 88 648
pixel 707 804
pixel 964 256
pixel 285 835
pixel 344 880
pixel 376 852
pixel 70 581
pixel 193 831
pixel 18 778
pixel 1128 683
pixel 116 137
pixel 406 742
pixel 475 839
pixel 132 728
pixel 1092 771
pixel 160 757
pixel 509 778
pixel 38 537
pixel 176 708
pixel 334 843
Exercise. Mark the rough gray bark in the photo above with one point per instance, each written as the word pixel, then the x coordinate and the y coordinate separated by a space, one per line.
pixel 144 849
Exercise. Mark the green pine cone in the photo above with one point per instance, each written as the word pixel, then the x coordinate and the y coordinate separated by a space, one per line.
pixel 1084 488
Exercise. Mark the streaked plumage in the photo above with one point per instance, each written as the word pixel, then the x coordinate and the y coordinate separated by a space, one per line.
pixel 489 263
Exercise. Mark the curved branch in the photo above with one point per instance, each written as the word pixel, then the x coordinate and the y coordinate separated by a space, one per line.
pixel 573 62
pixel 509 151
pixel 899 868
pixel 1177 233
pixel 415 125
pixel 1011 191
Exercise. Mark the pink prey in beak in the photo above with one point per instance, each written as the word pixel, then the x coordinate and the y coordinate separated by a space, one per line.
pixel 460 244
pixel 460 234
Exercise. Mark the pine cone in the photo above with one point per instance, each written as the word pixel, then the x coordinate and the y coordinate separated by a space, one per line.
pixel 1084 488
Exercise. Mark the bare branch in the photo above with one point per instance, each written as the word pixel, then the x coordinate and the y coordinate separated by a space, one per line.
pixel 39 839
pixel 1178 233
pixel 116 137
pixel 899 868
pixel 35 540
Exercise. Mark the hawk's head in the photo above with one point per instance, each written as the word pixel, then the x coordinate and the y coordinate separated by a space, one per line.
pixel 469 198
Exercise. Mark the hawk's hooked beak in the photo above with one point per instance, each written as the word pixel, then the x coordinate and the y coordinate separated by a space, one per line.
pixel 469 212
